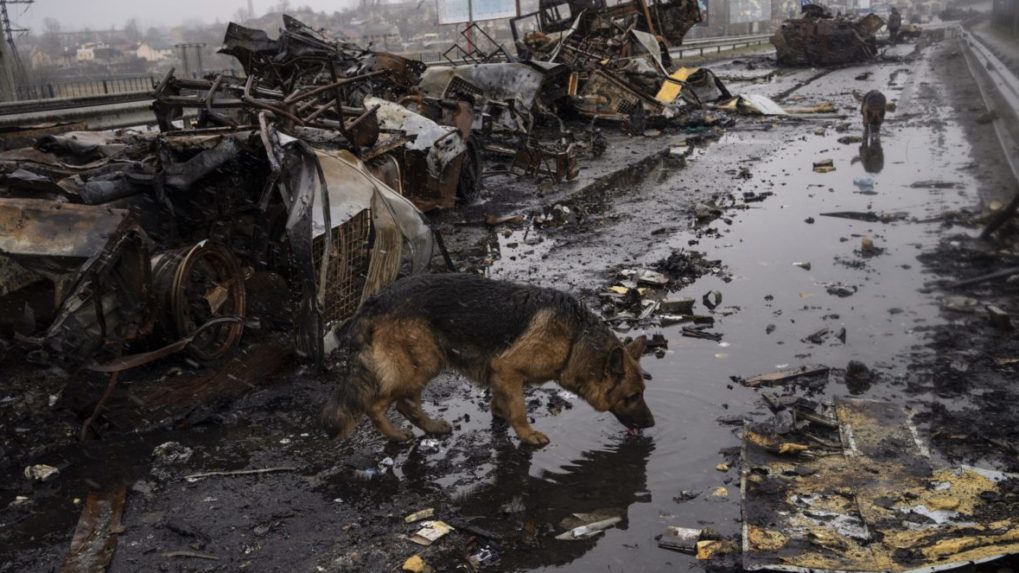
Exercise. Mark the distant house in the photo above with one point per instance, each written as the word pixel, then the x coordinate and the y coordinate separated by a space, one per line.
pixel 150 54
pixel 40 59
pixel 86 53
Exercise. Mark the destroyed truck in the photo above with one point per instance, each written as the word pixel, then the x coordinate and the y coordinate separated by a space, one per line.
pixel 117 250
pixel 280 207
pixel 583 32
pixel 818 38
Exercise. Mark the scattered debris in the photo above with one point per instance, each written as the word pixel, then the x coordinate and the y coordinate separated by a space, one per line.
pixel 431 532
pixel 859 377
pixel 172 453
pixel 824 166
pixel 782 376
pixel 685 495
pixel 699 332
pixel 419 515
pixel 998 317
pixel 95 537
pixel 840 290
pixel 864 184
pixel 588 530
pixel 880 504
pixel 41 473
pixel 867 216
pixel 415 564
pixel 960 303
pixel 684 539
pixel 200 476
pixel 712 299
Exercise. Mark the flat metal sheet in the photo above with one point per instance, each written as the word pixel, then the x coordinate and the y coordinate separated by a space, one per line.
pixel 41 227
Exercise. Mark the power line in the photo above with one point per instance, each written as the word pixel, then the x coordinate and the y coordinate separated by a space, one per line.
pixel 14 63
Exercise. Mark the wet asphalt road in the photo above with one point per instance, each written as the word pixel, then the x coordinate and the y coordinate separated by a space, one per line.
pixel 320 517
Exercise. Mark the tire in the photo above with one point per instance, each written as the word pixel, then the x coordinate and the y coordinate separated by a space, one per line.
pixel 468 189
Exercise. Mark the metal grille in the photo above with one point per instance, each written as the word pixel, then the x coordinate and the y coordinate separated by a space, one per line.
pixel 348 266
pixel 458 84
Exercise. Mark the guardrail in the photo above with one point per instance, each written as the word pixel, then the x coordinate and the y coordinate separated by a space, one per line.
pixel 87 88
pixel 703 46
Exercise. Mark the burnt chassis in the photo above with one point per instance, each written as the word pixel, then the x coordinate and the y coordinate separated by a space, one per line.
pixel 582 20
pixel 149 244
pixel 819 39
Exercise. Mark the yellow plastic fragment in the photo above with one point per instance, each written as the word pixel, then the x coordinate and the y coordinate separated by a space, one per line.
pixel 414 564
pixel 708 549
pixel 720 492
pixel 419 515
pixel 722 467
pixel 670 90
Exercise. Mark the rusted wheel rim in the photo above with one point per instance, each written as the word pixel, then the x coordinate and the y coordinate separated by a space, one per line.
pixel 208 284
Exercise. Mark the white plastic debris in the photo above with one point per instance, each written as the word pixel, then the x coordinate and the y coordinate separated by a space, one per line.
pixel 41 473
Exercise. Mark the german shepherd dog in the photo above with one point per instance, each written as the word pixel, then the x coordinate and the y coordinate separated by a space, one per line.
pixel 499 334
pixel 873 110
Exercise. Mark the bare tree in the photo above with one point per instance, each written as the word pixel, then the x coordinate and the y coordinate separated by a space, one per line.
pixel 132 31
pixel 51 41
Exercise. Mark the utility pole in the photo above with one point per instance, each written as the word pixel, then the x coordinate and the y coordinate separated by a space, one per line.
pixel 251 8
pixel 186 61
pixel 12 70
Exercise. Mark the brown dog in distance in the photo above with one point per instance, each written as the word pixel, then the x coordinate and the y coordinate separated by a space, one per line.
pixel 499 334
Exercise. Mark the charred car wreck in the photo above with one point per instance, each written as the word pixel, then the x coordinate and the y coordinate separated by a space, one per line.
pixel 120 249
pixel 819 38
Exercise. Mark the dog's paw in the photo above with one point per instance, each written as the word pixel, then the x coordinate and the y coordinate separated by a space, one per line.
pixel 440 427
pixel 401 435
pixel 536 439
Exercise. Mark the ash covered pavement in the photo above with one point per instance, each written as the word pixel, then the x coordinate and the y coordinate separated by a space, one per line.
pixel 727 241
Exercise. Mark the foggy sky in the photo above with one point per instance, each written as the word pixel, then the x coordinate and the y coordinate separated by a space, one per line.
pixel 102 14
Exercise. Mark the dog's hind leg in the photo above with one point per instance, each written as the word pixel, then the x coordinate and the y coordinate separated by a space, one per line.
pixel 377 414
pixel 411 409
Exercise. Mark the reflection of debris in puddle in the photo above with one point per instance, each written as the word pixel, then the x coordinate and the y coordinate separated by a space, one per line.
pixel 824 166
pixel 588 525
pixel 783 376
pixel 881 505
pixel 868 216
pixel 840 290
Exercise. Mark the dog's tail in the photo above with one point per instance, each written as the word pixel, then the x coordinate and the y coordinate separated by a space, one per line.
pixel 358 388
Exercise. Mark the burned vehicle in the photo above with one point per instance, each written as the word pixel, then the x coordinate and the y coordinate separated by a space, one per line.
pixel 618 55
pixel 307 82
pixel 509 108
pixel 147 244
pixel 583 32
pixel 819 38
pixel 281 208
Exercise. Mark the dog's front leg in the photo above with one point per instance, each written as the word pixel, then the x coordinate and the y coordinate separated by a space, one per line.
pixel 377 414
pixel 508 393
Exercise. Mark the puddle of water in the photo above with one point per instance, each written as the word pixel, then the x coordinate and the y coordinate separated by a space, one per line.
pixel 691 389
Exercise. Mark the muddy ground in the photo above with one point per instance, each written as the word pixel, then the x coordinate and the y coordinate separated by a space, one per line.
pixel 744 198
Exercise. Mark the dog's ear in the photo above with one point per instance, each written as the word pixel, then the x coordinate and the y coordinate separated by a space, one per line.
pixel 615 367
pixel 636 348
